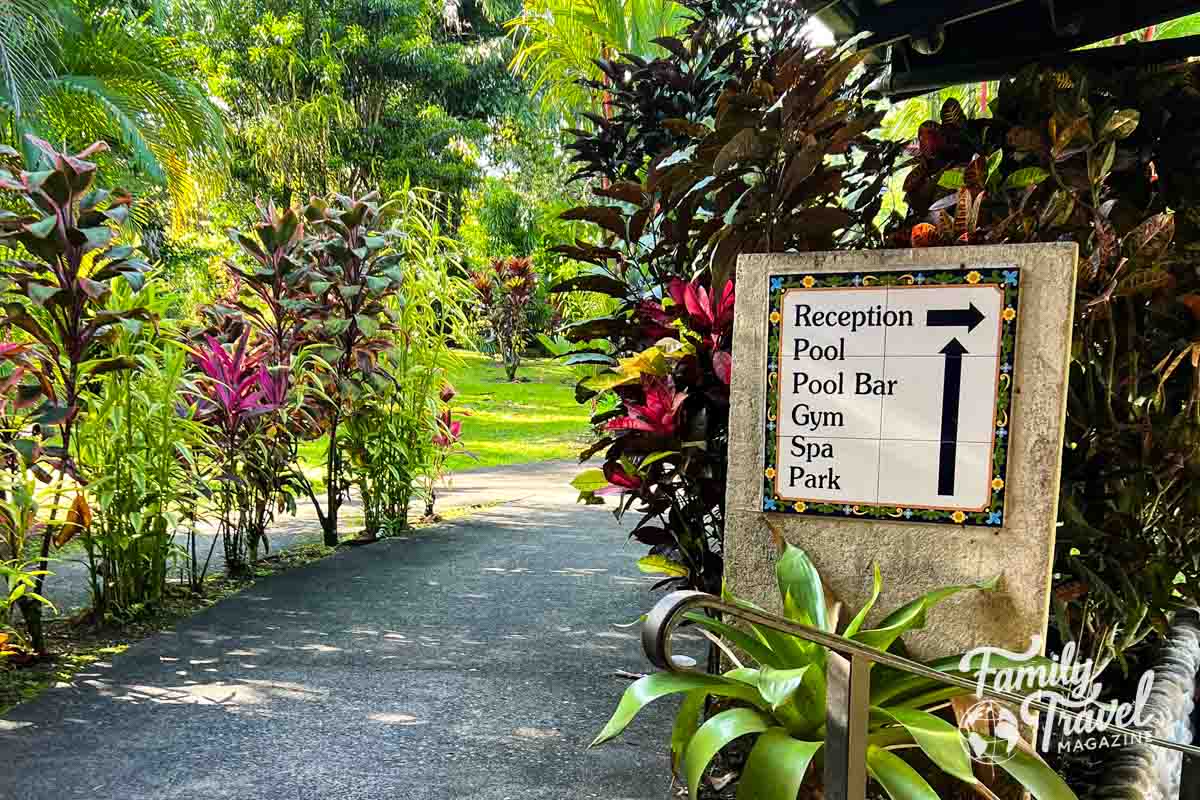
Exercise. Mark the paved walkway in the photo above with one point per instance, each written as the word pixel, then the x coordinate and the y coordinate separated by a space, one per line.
pixel 473 660
pixel 68 587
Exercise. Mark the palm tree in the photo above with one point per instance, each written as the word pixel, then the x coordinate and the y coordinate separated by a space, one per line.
pixel 77 80
pixel 557 40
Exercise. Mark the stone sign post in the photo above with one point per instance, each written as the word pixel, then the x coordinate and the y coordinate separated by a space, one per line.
pixel 904 407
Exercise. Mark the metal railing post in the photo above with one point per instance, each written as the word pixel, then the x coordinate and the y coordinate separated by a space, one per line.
pixel 847 713
pixel 848 676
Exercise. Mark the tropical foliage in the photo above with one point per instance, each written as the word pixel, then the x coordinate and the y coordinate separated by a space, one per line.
pixel 780 700
pixel 744 138
pixel 506 293
pixel 560 40
pixel 137 434
pixel 1095 158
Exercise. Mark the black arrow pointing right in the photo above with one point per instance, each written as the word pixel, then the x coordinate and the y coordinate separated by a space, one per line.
pixel 968 318
pixel 951 397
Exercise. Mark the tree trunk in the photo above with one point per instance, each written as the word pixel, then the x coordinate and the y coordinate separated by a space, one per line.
pixel 31 610
pixel 332 492
pixel 512 360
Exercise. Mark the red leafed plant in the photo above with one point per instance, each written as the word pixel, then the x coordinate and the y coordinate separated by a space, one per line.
pixel 505 291
pixel 272 295
pixel 234 391
pixel 55 287
pixel 742 138
pixel 1104 159
pixel 658 415
pixel 357 272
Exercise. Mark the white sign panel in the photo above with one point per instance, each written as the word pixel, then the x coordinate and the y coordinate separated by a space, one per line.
pixel 889 394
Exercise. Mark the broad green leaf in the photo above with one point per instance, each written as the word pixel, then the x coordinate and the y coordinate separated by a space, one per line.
pixel 43 227
pixel 654 457
pixel 746 675
pixel 39 293
pixel 368 324
pixel 1033 773
pixel 100 366
pixel 661 565
pixel 714 735
pixel 1029 176
pixel 776 767
pixel 687 722
pixel 737 637
pixel 800 583
pixel 951 179
pixel 648 689
pixel 898 779
pixel 777 685
pixel 861 616
pixel 1121 124
pixel 993 163
pixel 889 686
pixel 940 740
pixel 590 480
pixel 912 615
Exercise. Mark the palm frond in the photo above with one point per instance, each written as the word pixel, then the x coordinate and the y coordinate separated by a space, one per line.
pixel 135 88
pixel 556 41
pixel 28 39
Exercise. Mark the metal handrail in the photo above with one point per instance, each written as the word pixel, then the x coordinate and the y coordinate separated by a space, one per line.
pixel 848 684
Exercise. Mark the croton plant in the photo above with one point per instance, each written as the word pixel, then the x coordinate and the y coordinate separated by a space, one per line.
pixel 1101 159
pixel 764 149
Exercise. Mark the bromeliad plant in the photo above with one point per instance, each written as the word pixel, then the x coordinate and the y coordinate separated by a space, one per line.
pixel 780 700
pixel 54 288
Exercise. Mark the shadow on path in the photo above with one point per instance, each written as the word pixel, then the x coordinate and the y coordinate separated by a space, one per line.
pixel 472 660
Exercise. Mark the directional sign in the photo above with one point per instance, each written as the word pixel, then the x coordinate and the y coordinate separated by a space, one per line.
pixel 889 394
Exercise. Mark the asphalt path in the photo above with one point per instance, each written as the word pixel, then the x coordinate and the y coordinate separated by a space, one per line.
pixel 475 659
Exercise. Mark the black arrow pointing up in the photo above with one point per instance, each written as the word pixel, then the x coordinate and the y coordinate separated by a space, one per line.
pixel 951 395
pixel 954 318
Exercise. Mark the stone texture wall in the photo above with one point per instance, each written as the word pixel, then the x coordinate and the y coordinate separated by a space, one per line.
pixel 916 558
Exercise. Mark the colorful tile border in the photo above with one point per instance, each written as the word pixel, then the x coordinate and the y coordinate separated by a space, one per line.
pixel 1008 278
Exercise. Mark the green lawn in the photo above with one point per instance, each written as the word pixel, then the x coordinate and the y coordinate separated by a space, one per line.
pixel 536 419
pixel 516 423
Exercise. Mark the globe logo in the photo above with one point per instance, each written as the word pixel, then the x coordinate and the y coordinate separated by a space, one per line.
pixel 990 732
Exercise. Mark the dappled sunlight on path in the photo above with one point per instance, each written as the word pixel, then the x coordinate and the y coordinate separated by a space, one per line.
pixel 473 659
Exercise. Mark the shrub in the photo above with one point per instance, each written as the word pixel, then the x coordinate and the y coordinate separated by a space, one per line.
pixel 745 138
pixel 233 390
pixel 781 702
pixel 398 436
pixel 18 575
pixel 138 450
pixel 358 271
pixel 56 289
pixel 1096 159
pixel 507 291
pixel 273 298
